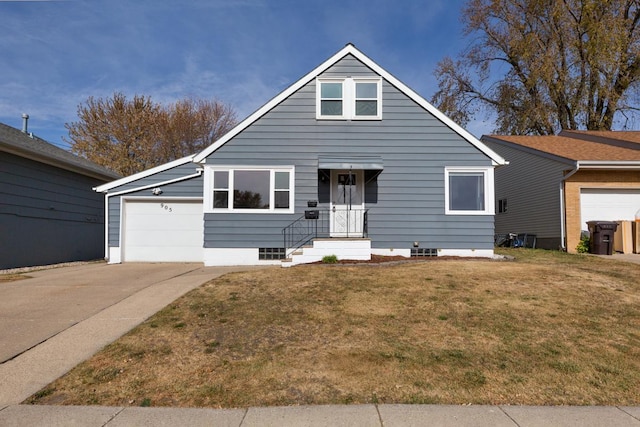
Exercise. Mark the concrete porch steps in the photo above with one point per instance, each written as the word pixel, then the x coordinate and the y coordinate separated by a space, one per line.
pixel 342 248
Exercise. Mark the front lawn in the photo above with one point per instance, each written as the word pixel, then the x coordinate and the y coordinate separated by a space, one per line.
pixel 546 329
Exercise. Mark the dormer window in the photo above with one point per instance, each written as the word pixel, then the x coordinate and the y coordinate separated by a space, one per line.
pixel 331 99
pixel 357 98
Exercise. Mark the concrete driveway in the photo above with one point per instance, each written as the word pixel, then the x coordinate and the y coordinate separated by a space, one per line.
pixel 33 310
pixel 59 317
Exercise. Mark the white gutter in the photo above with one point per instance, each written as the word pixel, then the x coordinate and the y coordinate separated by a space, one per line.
pixel 132 190
pixel 562 212
pixel 599 164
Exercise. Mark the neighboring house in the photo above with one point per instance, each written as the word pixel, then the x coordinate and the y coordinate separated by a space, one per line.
pixel 48 210
pixel 553 185
pixel 382 170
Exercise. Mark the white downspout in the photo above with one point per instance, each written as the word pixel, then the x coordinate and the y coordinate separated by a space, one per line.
pixel 562 212
pixel 106 226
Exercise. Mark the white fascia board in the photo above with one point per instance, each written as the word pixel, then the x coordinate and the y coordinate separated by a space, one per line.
pixel 350 49
pixel 127 179
pixel 614 164
pixel 199 158
pixel 495 157
pixel 157 184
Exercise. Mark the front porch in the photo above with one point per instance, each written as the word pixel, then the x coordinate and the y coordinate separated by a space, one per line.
pixel 318 233
pixel 343 248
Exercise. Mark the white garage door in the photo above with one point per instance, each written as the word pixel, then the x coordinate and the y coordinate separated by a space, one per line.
pixel 608 204
pixel 163 230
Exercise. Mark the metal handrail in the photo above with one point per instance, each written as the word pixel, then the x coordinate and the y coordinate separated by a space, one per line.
pixel 305 229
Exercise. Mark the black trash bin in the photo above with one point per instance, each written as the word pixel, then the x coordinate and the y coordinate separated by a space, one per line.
pixel 601 241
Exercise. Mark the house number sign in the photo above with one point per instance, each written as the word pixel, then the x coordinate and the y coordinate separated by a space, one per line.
pixel 166 207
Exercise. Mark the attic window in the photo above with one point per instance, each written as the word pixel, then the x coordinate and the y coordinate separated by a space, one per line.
pixel 349 98
pixel 331 99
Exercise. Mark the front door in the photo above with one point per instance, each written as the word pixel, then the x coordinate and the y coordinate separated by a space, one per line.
pixel 347 203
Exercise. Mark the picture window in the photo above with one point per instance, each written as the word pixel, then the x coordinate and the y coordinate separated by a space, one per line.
pixel 247 190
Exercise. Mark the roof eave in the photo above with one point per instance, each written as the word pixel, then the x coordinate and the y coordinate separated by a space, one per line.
pixel 61 164
pixel 350 49
pixel 122 181
pixel 530 150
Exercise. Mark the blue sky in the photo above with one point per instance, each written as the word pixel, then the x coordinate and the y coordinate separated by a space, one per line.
pixel 55 54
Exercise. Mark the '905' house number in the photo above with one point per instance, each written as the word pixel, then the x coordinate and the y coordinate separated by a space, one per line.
pixel 166 207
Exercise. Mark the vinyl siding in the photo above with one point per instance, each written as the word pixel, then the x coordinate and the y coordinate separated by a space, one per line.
pixel 415 148
pixel 47 215
pixel 531 185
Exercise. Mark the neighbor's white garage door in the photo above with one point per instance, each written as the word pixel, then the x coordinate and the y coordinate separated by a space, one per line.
pixel 163 231
pixel 608 204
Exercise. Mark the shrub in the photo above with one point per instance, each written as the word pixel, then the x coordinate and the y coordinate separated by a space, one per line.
pixel 583 246
pixel 329 259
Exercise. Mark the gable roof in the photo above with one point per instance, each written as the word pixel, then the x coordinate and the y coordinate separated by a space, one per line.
pixel 350 49
pixel 24 145
pixel 575 149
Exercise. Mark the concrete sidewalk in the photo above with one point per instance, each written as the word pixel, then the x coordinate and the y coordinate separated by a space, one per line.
pixel 109 311
pixel 344 415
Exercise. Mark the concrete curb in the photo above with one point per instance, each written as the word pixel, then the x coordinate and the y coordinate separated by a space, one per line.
pixel 320 416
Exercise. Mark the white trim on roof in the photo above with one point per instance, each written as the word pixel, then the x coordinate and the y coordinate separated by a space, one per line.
pixel 350 49
pixel 108 186
pixel 612 164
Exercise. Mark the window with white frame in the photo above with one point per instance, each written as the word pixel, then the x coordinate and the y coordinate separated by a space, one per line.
pixel 469 191
pixel 331 103
pixel 352 98
pixel 248 189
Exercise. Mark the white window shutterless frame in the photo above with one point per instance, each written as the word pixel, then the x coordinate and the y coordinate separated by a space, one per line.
pixel 249 189
pixel 469 191
pixel 351 98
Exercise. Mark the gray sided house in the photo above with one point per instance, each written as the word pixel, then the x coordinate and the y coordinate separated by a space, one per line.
pixel 554 185
pixel 49 212
pixel 347 161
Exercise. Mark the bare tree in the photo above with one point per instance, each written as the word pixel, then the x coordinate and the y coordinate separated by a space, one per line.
pixel 131 135
pixel 190 125
pixel 544 65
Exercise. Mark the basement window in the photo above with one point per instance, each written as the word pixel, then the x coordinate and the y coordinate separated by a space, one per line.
pixel 423 252
pixel 268 254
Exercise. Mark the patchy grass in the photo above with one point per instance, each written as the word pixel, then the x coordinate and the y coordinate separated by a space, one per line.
pixel 546 329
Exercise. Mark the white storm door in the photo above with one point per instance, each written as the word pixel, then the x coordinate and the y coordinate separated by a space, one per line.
pixel 163 230
pixel 347 203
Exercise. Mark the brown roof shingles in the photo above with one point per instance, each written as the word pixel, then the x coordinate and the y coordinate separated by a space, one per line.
pixel 574 148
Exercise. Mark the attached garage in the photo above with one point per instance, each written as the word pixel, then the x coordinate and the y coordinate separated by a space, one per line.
pixel 607 204
pixel 162 230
